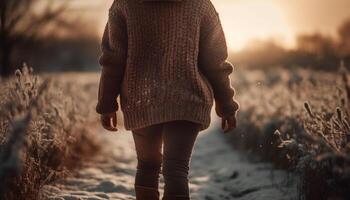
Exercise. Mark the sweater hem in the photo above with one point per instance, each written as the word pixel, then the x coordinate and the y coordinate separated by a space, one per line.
pixel 148 116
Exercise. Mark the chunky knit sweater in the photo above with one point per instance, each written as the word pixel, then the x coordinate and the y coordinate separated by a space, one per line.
pixel 166 59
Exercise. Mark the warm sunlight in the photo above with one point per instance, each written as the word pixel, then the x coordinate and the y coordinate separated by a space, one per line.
pixel 244 21
pixel 247 20
pixel 142 99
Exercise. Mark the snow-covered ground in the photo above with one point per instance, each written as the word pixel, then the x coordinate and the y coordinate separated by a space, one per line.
pixel 217 173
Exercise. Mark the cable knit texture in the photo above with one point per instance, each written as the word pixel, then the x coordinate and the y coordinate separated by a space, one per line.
pixel 167 61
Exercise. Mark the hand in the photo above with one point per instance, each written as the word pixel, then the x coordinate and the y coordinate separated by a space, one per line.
pixel 228 123
pixel 109 121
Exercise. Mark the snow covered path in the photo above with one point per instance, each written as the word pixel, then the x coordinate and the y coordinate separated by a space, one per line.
pixel 217 173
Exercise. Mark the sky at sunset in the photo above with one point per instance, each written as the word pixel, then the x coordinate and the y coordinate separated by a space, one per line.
pixel 244 20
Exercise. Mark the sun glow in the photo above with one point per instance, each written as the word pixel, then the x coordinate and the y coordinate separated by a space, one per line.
pixel 245 20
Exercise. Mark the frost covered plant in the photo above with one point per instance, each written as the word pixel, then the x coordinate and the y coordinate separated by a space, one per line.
pixel 300 122
pixel 40 134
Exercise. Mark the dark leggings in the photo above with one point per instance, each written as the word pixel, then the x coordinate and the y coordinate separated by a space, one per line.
pixel 178 138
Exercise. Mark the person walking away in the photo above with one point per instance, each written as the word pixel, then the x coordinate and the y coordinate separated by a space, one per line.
pixel 166 59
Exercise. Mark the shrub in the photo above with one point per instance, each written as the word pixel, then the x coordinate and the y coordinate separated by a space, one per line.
pixel 42 134
pixel 299 121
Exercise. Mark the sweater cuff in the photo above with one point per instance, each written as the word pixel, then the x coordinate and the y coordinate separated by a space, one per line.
pixel 226 110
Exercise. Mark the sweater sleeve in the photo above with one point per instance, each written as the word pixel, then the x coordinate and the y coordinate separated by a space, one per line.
pixel 213 64
pixel 112 61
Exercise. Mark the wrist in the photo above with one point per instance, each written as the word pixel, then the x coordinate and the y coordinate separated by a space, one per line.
pixel 108 114
pixel 104 108
pixel 226 110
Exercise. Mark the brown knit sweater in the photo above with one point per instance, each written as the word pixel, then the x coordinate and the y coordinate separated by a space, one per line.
pixel 167 61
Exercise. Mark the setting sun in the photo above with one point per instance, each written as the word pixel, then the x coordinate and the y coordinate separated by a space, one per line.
pixel 247 20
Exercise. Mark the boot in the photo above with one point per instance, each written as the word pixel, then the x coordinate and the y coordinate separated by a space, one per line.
pixel 146 193
pixel 175 197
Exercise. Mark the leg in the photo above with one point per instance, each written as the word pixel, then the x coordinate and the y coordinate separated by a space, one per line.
pixel 179 138
pixel 148 144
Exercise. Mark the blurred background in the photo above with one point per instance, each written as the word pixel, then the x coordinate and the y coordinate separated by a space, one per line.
pixel 64 35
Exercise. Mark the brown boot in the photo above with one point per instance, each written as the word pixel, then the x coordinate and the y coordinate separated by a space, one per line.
pixel 176 197
pixel 146 193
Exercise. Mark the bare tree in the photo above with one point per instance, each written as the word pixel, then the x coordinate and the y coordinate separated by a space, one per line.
pixel 24 20
pixel 344 35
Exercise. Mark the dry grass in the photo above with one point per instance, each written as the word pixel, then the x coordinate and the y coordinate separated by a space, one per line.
pixel 298 119
pixel 42 131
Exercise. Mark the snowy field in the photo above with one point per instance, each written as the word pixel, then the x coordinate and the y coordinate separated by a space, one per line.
pixel 218 172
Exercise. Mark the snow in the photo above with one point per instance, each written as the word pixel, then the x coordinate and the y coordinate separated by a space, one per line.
pixel 218 172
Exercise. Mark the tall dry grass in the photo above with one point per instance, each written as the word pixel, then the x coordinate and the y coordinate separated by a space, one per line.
pixel 299 120
pixel 42 132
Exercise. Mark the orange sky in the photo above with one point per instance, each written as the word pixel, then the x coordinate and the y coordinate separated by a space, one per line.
pixel 244 20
